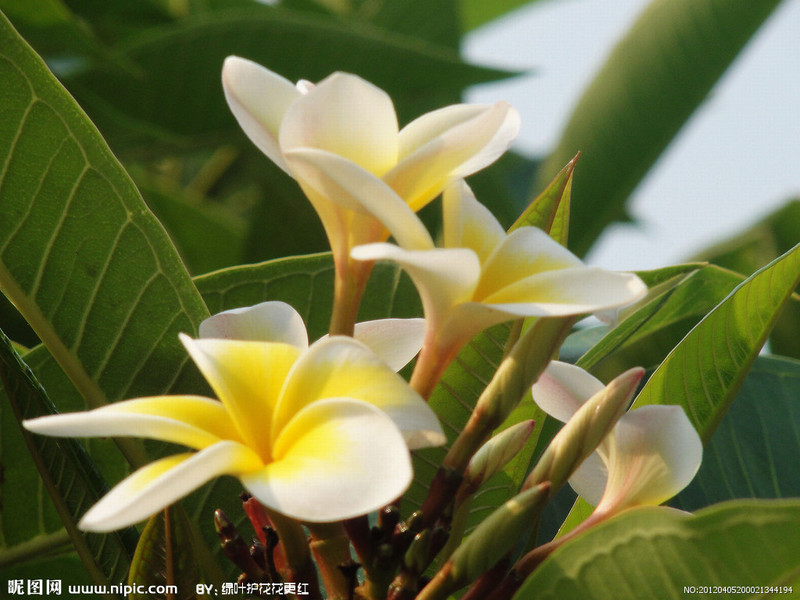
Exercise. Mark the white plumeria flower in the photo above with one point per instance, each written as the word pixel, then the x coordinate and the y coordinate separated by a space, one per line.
pixel 395 341
pixel 319 433
pixel 483 276
pixel 342 134
pixel 652 453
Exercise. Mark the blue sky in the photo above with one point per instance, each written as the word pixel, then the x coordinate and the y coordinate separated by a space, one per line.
pixel 736 159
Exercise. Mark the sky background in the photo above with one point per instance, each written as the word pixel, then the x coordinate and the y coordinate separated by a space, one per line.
pixel 737 158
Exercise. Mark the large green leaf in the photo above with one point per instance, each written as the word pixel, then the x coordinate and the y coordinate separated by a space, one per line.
pixel 651 83
pixel 705 371
pixel 81 257
pixel 664 554
pixel 755 449
pixel 68 477
pixel 108 304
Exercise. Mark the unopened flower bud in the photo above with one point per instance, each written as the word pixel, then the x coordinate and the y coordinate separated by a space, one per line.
pixel 584 431
pixel 495 454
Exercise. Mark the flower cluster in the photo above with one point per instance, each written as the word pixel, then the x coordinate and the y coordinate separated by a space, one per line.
pixel 320 432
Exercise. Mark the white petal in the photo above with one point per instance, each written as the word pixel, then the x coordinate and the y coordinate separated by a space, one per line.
pixel 258 99
pixel 655 453
pixel 343 367
pixel 355 188
pixel 161 483
pixel 468 223
pixel 447 144
pixel 395 341
pixel 444 277
pixel 191 421
pixel 589 480
pixel 265 322
pixel 571 291
pixel 348 116
pixel 337 459
pixel 563 388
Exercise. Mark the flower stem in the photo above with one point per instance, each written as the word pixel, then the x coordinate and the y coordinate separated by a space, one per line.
pixel 331 548
pixel 350 280
pixel 431 365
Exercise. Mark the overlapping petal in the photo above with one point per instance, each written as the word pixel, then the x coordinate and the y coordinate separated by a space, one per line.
pixel 247 377
pixel 264 322
pixel 343 367
pixel 652 453
pixel 335 459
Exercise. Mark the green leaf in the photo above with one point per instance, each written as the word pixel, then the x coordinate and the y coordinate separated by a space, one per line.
pixel 646 336
pixel 657 552
pixel 109 305
pixel 550 210
pixel 436 22
pixel 651 83
pixel 753 453
pixel 705 371
pixel 68 477
pixel 164 555
pixel 752 249
pixel 419 76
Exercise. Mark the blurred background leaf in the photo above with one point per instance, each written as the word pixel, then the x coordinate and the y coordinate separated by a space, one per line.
pixel 648 88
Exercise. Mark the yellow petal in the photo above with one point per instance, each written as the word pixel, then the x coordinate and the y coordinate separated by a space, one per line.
pixel 258 99
pixel 524 252
pixel 348 116
pixel 336 459
pixel 447 144
pixel 343 367
pixel 161 483
pixel 247 378
pixel 191 421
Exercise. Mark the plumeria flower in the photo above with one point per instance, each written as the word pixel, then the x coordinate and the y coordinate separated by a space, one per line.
pixel 348 127
pixel 482 276
pixel 319 433
pixel 652 453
